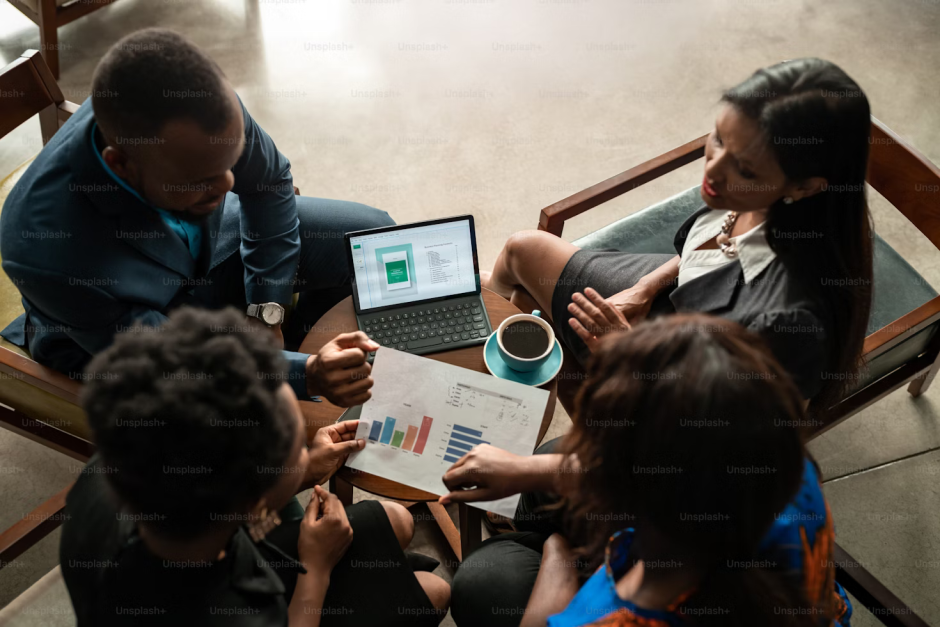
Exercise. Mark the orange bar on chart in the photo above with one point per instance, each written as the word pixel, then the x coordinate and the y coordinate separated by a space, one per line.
pixel 410 438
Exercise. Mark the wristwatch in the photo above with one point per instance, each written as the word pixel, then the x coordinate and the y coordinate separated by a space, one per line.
pixel 271 314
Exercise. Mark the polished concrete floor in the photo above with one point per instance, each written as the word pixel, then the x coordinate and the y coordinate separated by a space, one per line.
pixel 498 108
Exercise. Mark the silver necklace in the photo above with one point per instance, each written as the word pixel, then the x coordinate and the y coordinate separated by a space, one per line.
pixel 723 239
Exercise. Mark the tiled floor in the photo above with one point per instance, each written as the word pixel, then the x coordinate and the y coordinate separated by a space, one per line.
pixel 428 108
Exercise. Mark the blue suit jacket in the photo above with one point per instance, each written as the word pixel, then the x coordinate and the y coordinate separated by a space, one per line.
pixel 91 260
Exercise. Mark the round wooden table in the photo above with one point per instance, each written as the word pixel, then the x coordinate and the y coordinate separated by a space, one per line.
pixel 342 319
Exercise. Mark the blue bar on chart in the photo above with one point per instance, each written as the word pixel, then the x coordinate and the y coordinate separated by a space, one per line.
pixel 388 431
pixel 470 436
pixel 376 430
pixel 462 440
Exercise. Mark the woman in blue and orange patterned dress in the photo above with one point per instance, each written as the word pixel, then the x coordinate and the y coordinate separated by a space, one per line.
pixel 688 497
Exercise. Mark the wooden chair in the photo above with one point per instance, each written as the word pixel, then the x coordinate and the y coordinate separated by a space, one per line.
pixel 903 345
pixel 49 15
pixel 36 402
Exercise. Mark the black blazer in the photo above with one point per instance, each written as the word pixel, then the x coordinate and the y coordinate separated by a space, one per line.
pixel 775 305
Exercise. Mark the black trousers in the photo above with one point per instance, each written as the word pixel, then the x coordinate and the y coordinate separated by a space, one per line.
pixel 372 584
pixel 493 584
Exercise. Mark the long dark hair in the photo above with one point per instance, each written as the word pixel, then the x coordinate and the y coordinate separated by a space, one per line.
pixel 819 123
pixel 686 430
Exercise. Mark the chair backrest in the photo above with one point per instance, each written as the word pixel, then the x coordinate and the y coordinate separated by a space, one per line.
pixel 906 178
pixel 44 402
pixel 28 89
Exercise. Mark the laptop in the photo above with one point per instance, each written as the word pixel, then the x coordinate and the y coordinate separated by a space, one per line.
pixel 416 287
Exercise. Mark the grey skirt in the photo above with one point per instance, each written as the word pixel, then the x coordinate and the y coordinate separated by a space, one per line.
pixel 608 272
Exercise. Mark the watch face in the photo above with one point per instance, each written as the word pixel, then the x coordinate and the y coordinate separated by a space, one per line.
pixel 271 314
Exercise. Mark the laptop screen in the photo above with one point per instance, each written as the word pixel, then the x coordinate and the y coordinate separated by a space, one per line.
pixel 404 265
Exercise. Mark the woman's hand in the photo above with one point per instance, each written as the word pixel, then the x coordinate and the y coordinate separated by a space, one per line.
pixel 595 316
pixel 557 548
pixel 330 447
pixel 555 585
pixel 325 532
pixel 634 303
pixel 488 473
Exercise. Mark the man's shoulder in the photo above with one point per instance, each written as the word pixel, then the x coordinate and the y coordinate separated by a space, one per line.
pixel 50 186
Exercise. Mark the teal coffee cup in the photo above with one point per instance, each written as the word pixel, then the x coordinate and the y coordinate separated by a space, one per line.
pixel 525 341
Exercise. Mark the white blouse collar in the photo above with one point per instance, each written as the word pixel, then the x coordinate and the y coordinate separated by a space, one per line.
pixel 754 252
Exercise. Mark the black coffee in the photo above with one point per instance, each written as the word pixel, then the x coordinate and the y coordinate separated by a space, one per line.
pixel 525 339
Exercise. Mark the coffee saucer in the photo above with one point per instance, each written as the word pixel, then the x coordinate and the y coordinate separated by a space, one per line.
pixel 540 376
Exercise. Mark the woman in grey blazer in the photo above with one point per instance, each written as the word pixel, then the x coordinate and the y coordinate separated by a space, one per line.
pixel 781 245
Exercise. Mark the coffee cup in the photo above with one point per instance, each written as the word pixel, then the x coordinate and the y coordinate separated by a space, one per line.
pixel 525 341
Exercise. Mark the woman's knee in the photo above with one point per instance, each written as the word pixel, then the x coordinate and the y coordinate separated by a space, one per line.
pixel 437 589
pixel 403 524
pixel 521 245
pixel 492 584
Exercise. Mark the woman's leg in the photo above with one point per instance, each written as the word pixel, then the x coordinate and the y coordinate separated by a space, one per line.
pixel 493 584
pixel 437 590
pixel 403 524
pixel 529 265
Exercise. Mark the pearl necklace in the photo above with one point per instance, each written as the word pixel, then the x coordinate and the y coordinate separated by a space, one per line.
pixel 724 238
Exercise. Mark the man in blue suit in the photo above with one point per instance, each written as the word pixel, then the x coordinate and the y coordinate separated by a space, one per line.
pixel 163 191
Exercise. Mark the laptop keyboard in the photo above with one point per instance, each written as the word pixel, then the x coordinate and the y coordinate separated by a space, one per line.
pixel 429 326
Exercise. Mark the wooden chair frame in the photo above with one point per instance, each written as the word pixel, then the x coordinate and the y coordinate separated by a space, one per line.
pixel 897 170
pixel 893 164
pixel 49 17
pixel 28 75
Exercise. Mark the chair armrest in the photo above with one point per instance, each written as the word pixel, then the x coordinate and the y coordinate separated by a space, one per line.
pixel 32 528
pixel 47 379
pixel 871 593
pixel 553 217
pixel 66 110
pixel 913 322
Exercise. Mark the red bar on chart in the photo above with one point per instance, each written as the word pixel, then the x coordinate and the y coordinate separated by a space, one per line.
pixel 410 437
pixel 423 435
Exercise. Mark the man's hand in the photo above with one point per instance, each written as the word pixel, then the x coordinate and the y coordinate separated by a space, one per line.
pixel 330 447
pixel 278 336
pixel 340 372
pixel 594 317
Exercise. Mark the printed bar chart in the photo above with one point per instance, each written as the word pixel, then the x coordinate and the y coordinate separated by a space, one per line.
pixel 388 430
pixel 407 437
pixel 461 441
pixel 410 437
pixel 423 434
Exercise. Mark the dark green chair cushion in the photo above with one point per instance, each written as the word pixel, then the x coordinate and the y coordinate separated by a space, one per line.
pixel 898 288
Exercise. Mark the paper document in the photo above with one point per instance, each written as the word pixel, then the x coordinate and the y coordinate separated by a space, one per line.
pixel 424 415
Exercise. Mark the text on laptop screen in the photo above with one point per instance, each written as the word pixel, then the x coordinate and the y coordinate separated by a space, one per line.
pixel 409 265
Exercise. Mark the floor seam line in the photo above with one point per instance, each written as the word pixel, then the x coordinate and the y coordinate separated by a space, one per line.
pixel 882 465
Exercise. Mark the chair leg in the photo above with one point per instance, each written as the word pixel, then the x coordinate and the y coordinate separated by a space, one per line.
pixel 471 529
pixel 919 385
pixel 49 35
pixel 342 490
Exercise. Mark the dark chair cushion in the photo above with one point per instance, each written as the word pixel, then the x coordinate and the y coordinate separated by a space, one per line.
pixel 898 288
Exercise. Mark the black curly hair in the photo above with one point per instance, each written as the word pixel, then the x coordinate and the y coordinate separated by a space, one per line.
pixel 189 418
